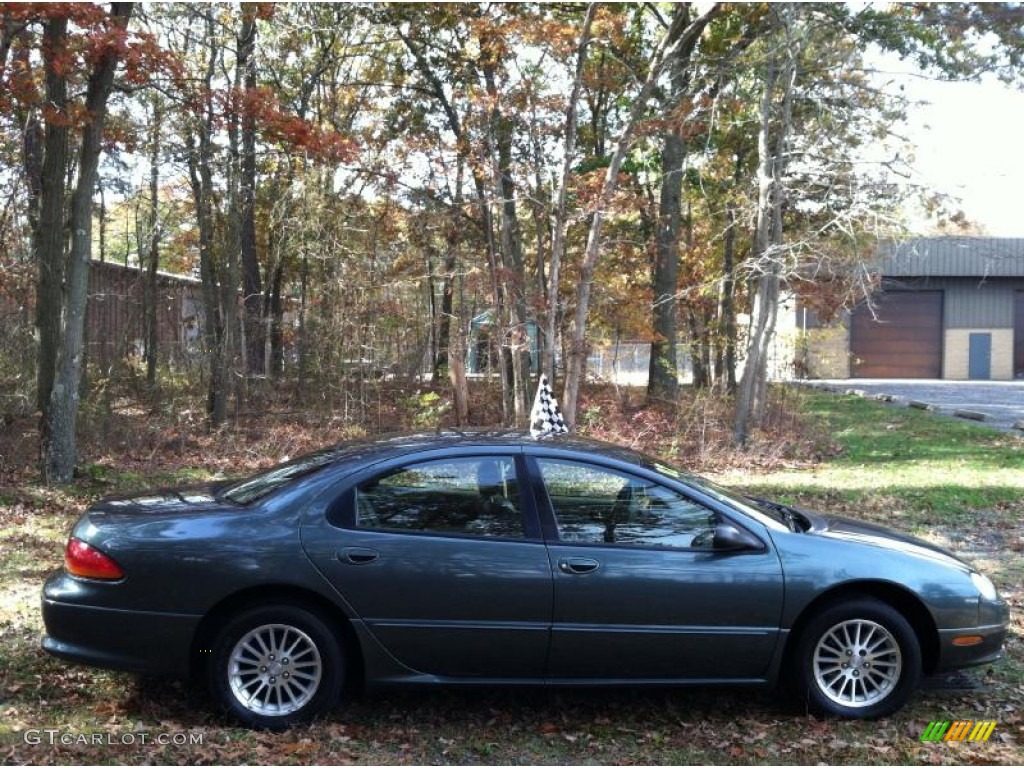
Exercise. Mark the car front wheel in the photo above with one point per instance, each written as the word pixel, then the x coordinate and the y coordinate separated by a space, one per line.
pixel 275 666
pixel 858 659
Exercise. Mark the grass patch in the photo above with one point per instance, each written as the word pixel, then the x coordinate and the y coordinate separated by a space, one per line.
pixel 901 465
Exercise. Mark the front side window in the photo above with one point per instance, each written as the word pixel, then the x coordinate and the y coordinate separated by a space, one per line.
pixel 594 505
pixel 476 496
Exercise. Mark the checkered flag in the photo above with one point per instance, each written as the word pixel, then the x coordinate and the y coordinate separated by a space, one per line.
pixel 546 418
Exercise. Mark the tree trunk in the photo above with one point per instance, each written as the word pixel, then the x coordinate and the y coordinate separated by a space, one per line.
pixel 516 337
pixel 32 150
pixel 435 322
pixel 772 158
pixel 302 341
pixel 153 257
pixel 454 349
pixel 233 339
pixel 727 307
pixel 201 177
pixel 251 285
pixel 540 205
pixel 757 343
pixel 700 358
pixel 279 241
pixel 460 386
pixel 276 309
pixel 50 233
pixel 558 234
pixel 6 38
pixel 59 449
pixel 457 362
pixel 444 327
pixel 663 370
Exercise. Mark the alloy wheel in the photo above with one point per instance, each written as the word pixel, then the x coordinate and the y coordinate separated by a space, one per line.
pixel 274 670
pixel 857 663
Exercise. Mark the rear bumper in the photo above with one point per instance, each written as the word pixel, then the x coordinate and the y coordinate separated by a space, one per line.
pixel 130 640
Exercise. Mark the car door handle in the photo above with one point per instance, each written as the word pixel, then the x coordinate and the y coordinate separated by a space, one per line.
pixel 358 555
pixel 578 565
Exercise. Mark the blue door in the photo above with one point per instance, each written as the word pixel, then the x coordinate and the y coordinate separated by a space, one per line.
pixel 980 356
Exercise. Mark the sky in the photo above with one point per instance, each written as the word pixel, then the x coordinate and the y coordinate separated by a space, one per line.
pixel 969 145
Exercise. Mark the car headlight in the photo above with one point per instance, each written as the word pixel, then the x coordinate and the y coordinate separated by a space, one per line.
pixel 985 586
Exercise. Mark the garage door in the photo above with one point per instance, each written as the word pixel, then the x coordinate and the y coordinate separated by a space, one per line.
pixel 901 340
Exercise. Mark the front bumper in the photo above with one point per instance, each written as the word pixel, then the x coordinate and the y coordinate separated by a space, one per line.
pixel 989 649
pixel 131 640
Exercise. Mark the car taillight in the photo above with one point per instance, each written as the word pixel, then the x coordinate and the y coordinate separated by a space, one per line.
pixel 80 559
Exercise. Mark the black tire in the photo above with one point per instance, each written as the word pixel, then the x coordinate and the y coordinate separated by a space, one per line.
pixel 857 659
pixel 275 666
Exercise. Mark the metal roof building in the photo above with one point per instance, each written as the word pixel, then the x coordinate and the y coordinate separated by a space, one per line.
pixel 954 257
pixel 948 307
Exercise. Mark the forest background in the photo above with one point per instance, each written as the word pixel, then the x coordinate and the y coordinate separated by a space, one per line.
pixel 431 204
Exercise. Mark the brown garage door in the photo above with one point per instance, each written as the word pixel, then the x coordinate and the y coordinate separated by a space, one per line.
pixel 902 340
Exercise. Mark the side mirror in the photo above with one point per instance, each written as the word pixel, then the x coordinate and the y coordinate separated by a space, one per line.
pixel 729 538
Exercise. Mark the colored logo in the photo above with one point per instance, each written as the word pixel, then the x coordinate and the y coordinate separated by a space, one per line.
pixel 958 730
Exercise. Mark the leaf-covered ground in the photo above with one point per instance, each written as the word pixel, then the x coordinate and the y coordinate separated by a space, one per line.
pixel 961 486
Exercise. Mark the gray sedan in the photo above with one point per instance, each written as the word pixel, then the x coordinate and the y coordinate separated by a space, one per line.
pixel 492 558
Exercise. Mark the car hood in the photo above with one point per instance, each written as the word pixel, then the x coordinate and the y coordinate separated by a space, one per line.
pixel 845 529
pixel 200 498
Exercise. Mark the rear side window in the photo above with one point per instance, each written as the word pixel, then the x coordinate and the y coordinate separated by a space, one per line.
pixel 477 496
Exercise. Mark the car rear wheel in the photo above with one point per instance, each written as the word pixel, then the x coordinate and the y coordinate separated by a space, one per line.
pixel 274 666
pixel 858 659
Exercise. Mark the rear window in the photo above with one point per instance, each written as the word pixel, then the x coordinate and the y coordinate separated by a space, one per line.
pixel 258 486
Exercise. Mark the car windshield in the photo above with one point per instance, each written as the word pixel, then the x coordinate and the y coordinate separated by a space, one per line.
pixel 258 486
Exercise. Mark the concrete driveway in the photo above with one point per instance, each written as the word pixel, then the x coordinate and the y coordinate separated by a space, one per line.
pixel 1000 403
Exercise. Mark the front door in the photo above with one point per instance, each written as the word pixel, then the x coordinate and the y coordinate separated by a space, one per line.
pixel 444 565
pixel 640 593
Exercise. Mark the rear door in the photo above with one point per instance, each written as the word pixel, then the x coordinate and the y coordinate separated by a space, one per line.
pixel 443 560
pixel 639 591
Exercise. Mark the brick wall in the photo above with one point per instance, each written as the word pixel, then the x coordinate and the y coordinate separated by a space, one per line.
pixel 828 352
pixel 956 352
